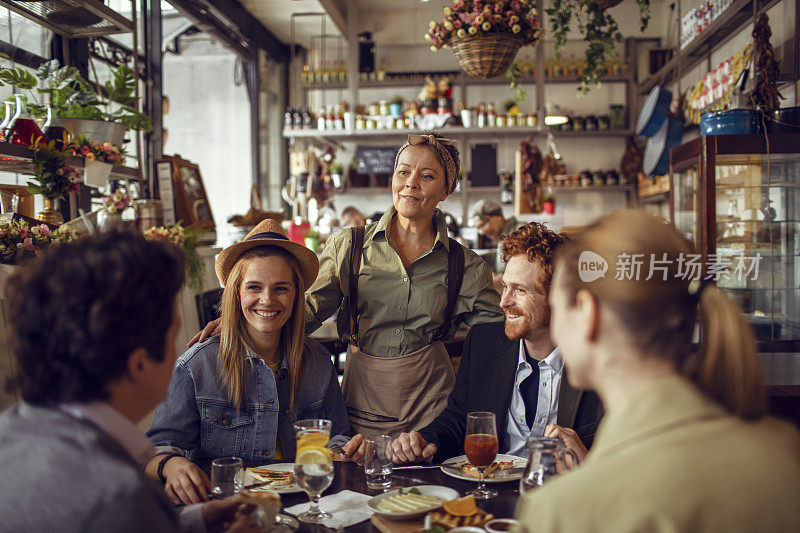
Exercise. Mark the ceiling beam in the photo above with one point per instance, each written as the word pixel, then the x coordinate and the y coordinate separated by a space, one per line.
pixel 335 13
pixel 248 26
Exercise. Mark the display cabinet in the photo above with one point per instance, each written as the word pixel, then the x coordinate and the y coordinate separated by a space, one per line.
pixel 737 197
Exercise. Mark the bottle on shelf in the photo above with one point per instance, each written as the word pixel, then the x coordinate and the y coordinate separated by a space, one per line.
pixel 307 120
pixel 6 119
pixel 481 115
pixel 338 119
pixel 304 77
pixel 491 117
pixel 342 72
pixel 297 119
pixel 321 119
pixel 287 119
pixel 54 131
pixel 22 130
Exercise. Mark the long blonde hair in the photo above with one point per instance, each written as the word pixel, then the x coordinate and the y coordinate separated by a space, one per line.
pixel 660 315
pixel 234 339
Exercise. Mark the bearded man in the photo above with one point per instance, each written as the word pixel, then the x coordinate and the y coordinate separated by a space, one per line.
pixel 513 370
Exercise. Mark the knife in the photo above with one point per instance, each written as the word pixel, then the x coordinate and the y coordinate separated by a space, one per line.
pixel 409 467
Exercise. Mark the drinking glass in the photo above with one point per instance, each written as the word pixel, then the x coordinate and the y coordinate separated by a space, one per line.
pixel 378 462
pixel 546 458
pixel 227 476
pixel 313 464
pixel 480 446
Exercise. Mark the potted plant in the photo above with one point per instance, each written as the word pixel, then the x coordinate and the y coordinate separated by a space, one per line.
pixel 113 206
pixel 336 170
pixel 599 30
pixel 74 100
pixel 485 34
pixel 19 239
pixel 187 239
pixel 52 177
pixel 98 159
pixel 549 203
pixel 396 106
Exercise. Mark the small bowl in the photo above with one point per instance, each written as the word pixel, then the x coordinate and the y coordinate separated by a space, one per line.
pixel 500 525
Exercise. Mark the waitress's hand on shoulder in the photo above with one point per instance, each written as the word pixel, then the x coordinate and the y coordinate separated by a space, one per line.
pixel 212 328
pixel 186 483
pixel 355 448
pixel 411 447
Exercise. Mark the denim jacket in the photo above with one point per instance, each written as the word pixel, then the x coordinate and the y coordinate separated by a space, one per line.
pixel 198 421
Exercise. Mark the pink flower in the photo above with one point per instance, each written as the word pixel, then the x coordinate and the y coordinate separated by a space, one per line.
pixel 75 187
pixel 44 230
pixel 85 150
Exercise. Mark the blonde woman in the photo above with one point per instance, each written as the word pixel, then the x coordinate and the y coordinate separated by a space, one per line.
pixel 685 444
pixel 238 393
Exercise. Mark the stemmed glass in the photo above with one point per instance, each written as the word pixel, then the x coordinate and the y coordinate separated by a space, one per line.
pixel 313 464
pixel 481 446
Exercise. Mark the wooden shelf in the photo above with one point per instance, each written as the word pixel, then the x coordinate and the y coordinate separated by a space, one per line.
pixel 18 158
pixel 458 79
pixel 355 135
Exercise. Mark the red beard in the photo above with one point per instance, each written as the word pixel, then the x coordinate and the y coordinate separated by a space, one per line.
pixel 523 326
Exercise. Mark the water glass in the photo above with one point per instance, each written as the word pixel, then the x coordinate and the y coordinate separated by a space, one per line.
pixel 313 464
pixel 378 462
pixel 546 459
pixel 227 476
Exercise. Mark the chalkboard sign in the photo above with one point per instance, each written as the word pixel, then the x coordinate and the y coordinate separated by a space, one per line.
pixel 375 159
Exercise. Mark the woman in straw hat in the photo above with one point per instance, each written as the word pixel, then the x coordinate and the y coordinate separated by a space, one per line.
pixel 684 445
pixel 238 393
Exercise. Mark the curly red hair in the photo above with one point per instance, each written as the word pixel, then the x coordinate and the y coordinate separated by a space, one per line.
pixel 538 244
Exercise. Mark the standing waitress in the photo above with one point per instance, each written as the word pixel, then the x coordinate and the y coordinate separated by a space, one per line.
pixel 412 284
pixel 398 373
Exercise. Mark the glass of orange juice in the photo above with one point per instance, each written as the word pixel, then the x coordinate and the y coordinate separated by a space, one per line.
pixel 313 464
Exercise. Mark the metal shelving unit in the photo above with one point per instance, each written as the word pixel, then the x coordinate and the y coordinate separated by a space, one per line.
pixel 72 18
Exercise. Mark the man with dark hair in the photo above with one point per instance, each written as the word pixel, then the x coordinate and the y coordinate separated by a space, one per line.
pixel 513 370
pixel 93 327
pixel 490 221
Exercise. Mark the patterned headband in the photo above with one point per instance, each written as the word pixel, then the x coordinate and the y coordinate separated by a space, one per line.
pixel 438 146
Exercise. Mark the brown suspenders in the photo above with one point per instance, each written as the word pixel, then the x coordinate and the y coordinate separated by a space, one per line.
pixel 455 276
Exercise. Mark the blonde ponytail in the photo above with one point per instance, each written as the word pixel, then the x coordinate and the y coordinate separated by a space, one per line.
pixel 727 367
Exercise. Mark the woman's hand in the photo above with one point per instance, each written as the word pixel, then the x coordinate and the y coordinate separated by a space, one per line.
pixel 212 328
pixel 571 440
pixel 355 448
pixel 186 483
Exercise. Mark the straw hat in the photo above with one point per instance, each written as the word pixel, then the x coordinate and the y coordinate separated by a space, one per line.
pixel 268 233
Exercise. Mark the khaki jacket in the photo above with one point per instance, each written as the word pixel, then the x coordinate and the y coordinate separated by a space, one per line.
pixel 670 459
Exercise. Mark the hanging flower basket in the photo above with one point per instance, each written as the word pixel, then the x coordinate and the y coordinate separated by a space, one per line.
pixel 485 35
pixel 488 55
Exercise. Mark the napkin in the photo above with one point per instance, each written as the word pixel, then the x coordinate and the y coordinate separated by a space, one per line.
pixel 347 508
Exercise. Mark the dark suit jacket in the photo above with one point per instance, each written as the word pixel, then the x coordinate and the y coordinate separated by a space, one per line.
pixel 485 381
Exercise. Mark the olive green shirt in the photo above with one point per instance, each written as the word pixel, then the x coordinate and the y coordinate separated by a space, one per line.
pixel 511 225
pixel 400 309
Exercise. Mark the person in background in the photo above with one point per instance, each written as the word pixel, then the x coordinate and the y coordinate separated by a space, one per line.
pixel 351 216
pixel 685 445
pixel 93 327
pixel 489 220
pixel 238 393
pixel 514 369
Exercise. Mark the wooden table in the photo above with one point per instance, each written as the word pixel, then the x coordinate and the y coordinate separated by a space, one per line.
pixel 350 476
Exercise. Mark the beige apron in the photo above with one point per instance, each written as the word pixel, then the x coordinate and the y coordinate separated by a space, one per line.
pixel 391 395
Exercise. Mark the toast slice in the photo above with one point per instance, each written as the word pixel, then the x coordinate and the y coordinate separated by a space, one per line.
pixel 274 477
pixel 448 521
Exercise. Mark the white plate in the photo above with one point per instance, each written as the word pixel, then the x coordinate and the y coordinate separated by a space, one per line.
pixel 445 493
pixel 277 467
pixel 504 475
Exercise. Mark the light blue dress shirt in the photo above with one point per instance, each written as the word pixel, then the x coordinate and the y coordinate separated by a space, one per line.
pixel 550 373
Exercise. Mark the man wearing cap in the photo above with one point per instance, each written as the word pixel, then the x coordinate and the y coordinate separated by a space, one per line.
pixel 489 220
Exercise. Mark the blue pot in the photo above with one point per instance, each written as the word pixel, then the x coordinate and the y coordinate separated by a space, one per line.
pixel 654 112
pixel 730 122
pixel 656 153
pixel 396 109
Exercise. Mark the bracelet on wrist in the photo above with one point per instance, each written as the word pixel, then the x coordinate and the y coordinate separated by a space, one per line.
pixel 162 463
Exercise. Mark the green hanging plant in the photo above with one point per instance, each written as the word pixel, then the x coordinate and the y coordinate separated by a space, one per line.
pixel 599 29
